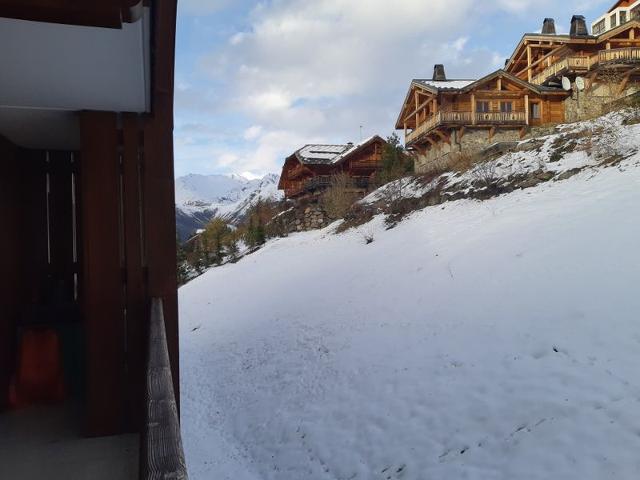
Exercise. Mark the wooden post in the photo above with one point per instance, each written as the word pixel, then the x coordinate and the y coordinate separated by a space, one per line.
pixel 473 109
pixel 529 73
pixel 158 181
pixel 526 108
pixel 499 83
pixel 102 280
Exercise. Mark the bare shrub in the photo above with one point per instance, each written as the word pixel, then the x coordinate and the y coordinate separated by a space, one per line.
pixel 485 173
pixel 339 197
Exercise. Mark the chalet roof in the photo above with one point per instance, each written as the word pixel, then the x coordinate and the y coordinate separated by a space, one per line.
pixel 513 78
pixel 444 84
pixel 320 154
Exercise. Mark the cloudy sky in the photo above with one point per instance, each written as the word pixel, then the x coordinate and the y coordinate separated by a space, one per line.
pixel 256 80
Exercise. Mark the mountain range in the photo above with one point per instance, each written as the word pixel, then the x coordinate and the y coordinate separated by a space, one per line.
pixel 199 198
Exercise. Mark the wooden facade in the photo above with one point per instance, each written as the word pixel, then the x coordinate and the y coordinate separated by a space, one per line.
pixel 545 59
pixel 308 171
pixel 434 109
pixel 95 223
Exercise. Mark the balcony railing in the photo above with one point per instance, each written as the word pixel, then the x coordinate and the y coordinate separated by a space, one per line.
pixel 564 65
pixel 625 55
pixel 501 118
pixel 162 455
pixel 466 118
pixel 583 64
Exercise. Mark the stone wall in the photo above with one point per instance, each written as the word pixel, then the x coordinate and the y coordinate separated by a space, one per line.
pixel 473 141
pixel 303 217
pixel 595 101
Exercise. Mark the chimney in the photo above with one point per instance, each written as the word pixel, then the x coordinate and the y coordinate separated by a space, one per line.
pixel 438 73
pixel 578 26
pixel 549 26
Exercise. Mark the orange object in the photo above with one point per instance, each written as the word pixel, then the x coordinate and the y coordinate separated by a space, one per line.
pixel 39 378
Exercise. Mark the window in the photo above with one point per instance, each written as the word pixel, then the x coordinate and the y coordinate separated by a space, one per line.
pixel 506 107
pixel 623 17
pixel 613 21
pixel 482 107
pixel 535 111
pixel 599 27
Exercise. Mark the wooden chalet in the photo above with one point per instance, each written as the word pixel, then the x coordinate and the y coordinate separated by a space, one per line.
pixel 441 116
pixel 88 296
pixel 308 171
pixel 544 58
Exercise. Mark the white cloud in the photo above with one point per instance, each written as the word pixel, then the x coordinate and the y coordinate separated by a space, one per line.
pixel 316 70
pixel 202 7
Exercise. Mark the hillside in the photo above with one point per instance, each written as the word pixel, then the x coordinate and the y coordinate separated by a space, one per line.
pixel 492 339
pixel 201 197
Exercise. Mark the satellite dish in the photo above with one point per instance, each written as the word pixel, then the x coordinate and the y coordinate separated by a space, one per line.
pixel 566 83
pixel 580 83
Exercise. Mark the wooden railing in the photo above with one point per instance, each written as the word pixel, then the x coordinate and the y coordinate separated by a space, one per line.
pixel 465 118
pixel 626 55
pixel 619 54
pixel 501 117
pixel 162 455
pixel 569 63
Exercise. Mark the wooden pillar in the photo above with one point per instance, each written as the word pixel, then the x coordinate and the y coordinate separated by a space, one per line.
pixel 529 72
pixel 10 267
pixel 103 302
pixel 158 180
pixel 135 300
pixel 526 108
pixel 473 109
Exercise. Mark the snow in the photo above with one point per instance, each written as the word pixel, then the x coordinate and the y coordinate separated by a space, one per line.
pixel 446 84
pixel 201 197
pixel 475 340
pixel 329 154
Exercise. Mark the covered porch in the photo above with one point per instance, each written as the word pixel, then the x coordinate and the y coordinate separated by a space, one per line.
pixel 87 207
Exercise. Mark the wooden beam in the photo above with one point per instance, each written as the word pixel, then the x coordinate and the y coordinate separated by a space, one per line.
pixel 102 288
pixel 526 108
pixel 492 132
pixel 473 109
pixel 445 138
pixel 529 72
pixel 461 133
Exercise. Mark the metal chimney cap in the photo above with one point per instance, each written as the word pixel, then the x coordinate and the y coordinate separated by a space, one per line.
pixel 549 26
pixel 578 26
pixel 439 73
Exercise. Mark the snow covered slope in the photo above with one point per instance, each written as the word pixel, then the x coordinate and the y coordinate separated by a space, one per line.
pixel 478 340
pixel 201 197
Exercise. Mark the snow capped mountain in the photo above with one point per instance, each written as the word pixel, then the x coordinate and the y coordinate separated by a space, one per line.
pixel 201 197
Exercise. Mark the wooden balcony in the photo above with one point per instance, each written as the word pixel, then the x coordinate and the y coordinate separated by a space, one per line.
pixel 584 64
pixel 619 55
pixel 468 119
pixel 569 64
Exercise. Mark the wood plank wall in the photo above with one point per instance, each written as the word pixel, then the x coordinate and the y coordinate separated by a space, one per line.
pixel 10 253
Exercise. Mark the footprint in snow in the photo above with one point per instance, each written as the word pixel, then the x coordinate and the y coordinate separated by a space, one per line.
pixel 393 472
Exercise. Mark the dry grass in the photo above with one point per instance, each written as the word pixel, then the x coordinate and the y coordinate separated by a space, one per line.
pixel 452 162
pixel 339 197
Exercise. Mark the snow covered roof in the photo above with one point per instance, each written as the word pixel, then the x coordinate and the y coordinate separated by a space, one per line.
pixel 320 154
pixel 444 84
pixel 330 154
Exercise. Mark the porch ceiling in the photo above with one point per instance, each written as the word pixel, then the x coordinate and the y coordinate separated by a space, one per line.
pixel 51 70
